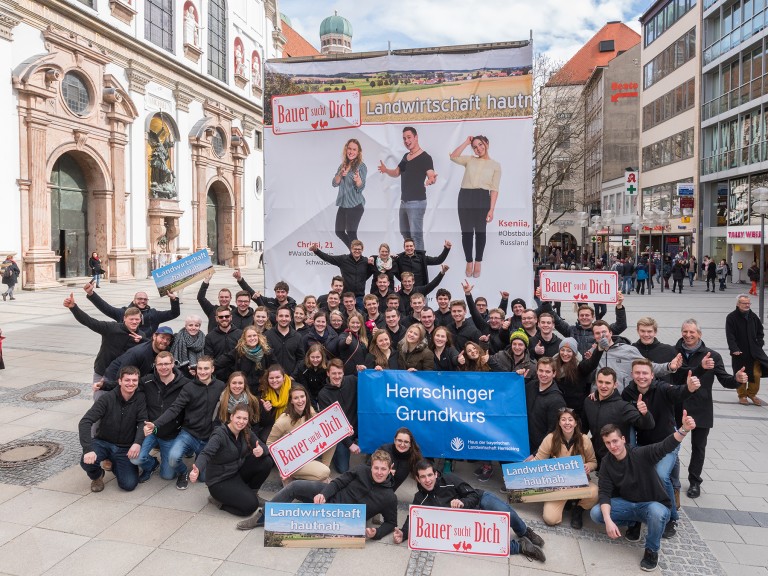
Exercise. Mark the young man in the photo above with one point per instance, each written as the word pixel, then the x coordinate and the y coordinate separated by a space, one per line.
pixel 341 389
pixel 449 491
pixel 649 346
pixel 287 347
pixel 609 408
pixel 416 306
pixel 660 399
pixel 382 288
pixel 393 327
pixel 427 319
pixel 161 388
pixel 543 401
pixel 373 318
pixel 582 330
pixel 332 302
pixel 746 340
pixel 141 356
pixel 462 330
pixel 151 318
pixel 443 312
pixel 242 315
pixel 197 400
pixel 355 268
pixel 629 488
pixel 209 309
pixel 337 285
pixel 369 485
pixel 223 338
pixel 348 303
pixel 416 262
pixel 529 321
pixel 545 343
pixel 489 322
pixel 408 287
pixel 706 364
pixel 121 414
pixel 514 358
pixel 417 172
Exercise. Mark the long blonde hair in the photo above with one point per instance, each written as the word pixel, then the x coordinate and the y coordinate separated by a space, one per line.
pixel 252 401
pixel 355 164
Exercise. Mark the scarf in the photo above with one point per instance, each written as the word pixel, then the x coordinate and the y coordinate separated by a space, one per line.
pixel 689 351
pixel 186 348
pixel 280 398
pixel 233 402
pixel 255 355
pixel 383 265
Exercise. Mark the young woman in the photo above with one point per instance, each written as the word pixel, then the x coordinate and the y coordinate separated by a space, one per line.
pixel 572 374
pixel 235 464
pixel 444 355
pixel 353 344
pixel 477 198
pixel 261 319
pixel 310 305
pixel 473 358
pixel 235 394
pixel 405 454
pixel 299 317
pixel 249 356
pixel 321 333
pixel 336 320
pixel 188 345
pixel 313 373
pixel 567 440
pixel 384 265
pixel 350 180
pixel 274 391
pixel 380 355
pixel 94 263
pixel 413 351
pixel 297 413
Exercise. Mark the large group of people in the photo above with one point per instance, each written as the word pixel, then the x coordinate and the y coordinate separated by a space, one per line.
pixel 210 403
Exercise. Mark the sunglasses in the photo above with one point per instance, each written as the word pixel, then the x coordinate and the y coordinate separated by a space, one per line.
pixel 224 317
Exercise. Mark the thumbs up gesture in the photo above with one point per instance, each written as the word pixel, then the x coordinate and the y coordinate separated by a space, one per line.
pixel 708 362
pixel 69 301
pixel 539 348
pixel 677 361
pixel 688 422
pixel 693 382
pixel 641 406
pixel 741 376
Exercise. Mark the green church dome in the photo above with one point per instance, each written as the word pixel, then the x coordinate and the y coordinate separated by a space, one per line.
pixel 336 25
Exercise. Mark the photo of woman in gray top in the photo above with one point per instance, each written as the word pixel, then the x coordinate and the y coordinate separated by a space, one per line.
pixel 350 180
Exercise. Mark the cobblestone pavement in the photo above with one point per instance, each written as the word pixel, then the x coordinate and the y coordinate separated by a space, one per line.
pixel 50 522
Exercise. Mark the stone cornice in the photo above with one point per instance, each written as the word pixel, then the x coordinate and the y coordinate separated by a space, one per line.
pixel 122 48
pixel 9 19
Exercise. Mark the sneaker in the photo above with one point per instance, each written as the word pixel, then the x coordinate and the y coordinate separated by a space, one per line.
pixel 479 469
pixel 650 561
pixel 182 481
pixel 670 529
pixel 535 539
pixel 147 474
pixel 98 484
pixel 486 473
pixel 633 532
pixel 530 550
pixel 255 521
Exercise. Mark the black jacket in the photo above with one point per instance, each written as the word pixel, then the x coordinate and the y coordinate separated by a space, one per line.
pixel 288 350
pixel 584 336
pixel 634 478
pixel 328 340
pixel 346 396
pixel 357 487
pixel 425 289
pixel 499 339
pixel 122 421
pixel 656 351
pixel 218 343
pixel 233 361
pixel 392 362
pixel 448 487
pixel 198 402
pixel 151 318
pixel 613 410
pixel 744 333
pixel 159 398
pixel 224 455
pixel 417 264
pixel 543 411
pixel 313 379
pixel 354 272
pixel 551 347
pixel 115 338
pixel 467 333
pixel 448 361
pixel 142 356
pixel 660 398
pixel 209 308
pixel 351 354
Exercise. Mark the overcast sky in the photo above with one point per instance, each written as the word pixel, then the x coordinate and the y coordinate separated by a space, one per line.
pixel 560 27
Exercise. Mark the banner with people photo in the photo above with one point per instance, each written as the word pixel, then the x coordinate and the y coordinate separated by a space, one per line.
pixel 461 415
pixel 432 146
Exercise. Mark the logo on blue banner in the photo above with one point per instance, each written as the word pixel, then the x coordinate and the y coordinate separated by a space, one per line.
pixel 472 415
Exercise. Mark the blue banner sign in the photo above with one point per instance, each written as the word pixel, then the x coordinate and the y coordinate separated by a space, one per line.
pixel 188 270
pixel 314 525
pixel 463 415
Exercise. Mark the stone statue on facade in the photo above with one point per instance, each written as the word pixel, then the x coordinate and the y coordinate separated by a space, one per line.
pixel 239 61
pixel 256 71
pixel 191 29
pixel 162 179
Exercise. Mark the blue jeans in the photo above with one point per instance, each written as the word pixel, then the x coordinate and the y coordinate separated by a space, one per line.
pixel 95 279
pixel 127 474
pixel 628 285
pixel 341 458
pixel 184 444
pixel 664 469
pixel 412 221
pixel 690 277
pixel 489 501
pixel 623 512
pixel 146 462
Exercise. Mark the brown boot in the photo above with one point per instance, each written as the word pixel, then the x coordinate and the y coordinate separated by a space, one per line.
pixel 98 484
pixel 677 498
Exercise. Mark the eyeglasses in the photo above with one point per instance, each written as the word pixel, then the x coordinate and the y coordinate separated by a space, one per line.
pixel 224 317
pixel 565 409
pixel 406 442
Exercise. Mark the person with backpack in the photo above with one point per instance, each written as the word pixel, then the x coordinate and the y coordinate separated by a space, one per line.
pixel 753 273
pixel 11 274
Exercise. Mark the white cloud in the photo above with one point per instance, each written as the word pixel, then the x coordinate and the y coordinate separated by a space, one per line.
pixel 560 27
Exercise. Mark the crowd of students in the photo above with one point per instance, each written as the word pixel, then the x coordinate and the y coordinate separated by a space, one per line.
pixel 223 397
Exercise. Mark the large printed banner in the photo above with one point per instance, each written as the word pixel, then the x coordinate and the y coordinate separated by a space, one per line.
pixel 339 166
pixel 310 440
pixel 471 415
pixel 457 531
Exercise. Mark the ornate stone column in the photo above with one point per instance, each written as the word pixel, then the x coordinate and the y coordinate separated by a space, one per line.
pixel 120 257
pixel 238 249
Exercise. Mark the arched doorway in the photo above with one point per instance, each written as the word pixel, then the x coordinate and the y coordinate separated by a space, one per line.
pixel 69 217
pixel 212 206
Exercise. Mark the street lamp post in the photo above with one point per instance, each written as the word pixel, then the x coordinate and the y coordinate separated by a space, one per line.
pixel 761 207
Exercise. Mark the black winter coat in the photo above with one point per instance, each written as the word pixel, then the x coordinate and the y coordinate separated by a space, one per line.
pixel 121 421
pixel 224 455
pixel 660 398
pixel 218 343
pixel 288 350
pixel 198 402
pixel 159 398
pixel 613 410
pixel 116 339
pixel 354 272
pixel 543 411
pixel 209 308
pixel 417 264
pixel 346 396
pixel 151 318
pixel 744 333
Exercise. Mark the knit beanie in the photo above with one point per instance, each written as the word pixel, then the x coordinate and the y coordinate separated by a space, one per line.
pixel 518 301
pixel 571 343
pixel 519 335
